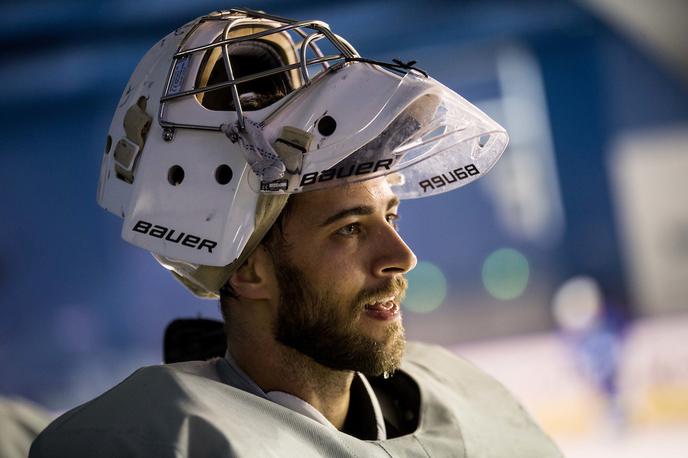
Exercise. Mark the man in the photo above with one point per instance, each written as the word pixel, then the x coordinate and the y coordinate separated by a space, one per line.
pixel 276 189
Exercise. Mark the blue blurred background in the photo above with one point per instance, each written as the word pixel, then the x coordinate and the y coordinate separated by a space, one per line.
pixel 590 197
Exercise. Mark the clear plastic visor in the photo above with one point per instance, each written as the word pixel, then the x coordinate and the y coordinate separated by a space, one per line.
pixel 429 138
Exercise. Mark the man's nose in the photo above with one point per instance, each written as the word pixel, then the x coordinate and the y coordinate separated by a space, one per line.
pixel 392 255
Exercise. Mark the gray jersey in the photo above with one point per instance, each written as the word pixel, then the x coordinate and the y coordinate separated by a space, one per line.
pixel 204 409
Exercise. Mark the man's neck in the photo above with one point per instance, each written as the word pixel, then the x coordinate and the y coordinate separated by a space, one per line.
pixel 280 368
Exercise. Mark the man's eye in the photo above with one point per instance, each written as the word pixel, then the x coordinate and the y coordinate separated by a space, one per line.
pixel 393 221
pixel 349 229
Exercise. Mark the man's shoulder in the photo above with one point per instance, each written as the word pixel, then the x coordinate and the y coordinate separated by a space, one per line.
pixel 153 402
pixel 434 358
pixel 146 388
pixel 491 419
pixel 439 363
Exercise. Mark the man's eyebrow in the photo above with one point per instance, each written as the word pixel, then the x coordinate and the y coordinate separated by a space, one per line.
pixel 393 202
pixel 358 210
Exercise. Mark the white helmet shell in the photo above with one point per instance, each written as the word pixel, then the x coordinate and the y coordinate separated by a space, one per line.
pixel 188 197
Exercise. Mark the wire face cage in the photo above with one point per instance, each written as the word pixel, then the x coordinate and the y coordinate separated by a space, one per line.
pixel 221 38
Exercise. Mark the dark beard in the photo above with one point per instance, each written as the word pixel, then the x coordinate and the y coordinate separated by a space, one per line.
pixel 311 322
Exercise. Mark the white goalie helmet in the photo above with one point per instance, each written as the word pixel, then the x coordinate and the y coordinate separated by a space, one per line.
pixel 231 113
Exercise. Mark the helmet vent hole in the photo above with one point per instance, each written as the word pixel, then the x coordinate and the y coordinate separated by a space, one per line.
pixel 108 144
pixel 482 141
pixel 223 174
pixel 175 175
pixel 327 125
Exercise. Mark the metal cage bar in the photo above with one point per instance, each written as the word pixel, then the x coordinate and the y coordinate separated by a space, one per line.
pixel 314 31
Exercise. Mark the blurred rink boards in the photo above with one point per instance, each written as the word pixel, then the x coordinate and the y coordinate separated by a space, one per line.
pixel 647 416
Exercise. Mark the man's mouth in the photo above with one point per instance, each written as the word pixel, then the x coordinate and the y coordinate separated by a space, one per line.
pixel 384 309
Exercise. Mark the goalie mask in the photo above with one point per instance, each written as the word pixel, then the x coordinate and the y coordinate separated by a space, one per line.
pixel 231 113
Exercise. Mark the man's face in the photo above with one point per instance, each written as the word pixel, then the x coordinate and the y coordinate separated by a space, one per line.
pixel 340 277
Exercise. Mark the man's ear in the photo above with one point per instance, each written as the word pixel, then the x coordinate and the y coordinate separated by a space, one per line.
pixel 255 278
